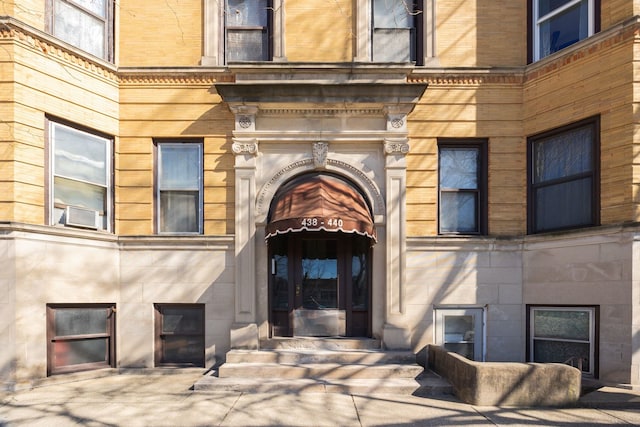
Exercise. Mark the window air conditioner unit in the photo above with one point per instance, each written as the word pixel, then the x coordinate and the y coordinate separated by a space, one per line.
pixel 81 217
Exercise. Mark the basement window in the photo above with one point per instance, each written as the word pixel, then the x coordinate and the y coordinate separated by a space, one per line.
pixel 80 337
pixel 179 335
pixel 564 335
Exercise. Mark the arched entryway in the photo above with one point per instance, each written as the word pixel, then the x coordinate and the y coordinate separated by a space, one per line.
pixel 320 232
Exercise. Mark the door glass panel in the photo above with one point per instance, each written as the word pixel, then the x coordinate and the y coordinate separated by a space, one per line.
pixel 280 271
pixel 359 274
pixel 319 274
pixel 459 335
pixel 460 330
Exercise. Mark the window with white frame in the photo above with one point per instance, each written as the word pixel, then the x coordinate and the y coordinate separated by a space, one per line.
pixel 462 186
pixel 564 177
pixel 247 30
pixel 394 30
pixel 80 177
pixel 563 335
pixel 85 24
pixel 561 23
pixel 179 187
pixel 461 330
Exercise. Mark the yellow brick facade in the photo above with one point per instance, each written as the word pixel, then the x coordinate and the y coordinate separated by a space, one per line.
pixel 319 31
pixel 167 34
pixel 136 109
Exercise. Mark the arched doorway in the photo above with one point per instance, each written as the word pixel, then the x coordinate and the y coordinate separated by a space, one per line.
pixel 320 233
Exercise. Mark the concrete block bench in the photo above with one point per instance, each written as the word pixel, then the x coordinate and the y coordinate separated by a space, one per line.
pixel 506 383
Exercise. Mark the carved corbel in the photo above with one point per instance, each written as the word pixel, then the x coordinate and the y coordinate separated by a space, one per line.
pixel 396 118
pixel 244 146
pixel 245 117
pixel 396 147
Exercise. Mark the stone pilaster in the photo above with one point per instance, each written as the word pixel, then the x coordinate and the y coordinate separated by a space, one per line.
pixel 396 334
pixel 244 332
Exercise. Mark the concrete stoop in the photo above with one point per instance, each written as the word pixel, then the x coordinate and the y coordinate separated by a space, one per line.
pixel 323 365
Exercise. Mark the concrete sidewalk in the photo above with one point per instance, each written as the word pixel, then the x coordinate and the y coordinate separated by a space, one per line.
pixel 154 399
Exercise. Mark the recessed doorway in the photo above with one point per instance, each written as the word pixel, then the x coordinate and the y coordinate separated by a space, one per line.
pixel 320 234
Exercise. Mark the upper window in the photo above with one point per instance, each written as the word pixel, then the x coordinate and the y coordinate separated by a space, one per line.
pixel 247 30
pixel 561 23
pixel 462 187
pixel 394 30
pixel 564 178
pixel 80 178
pixel 179 187
pixel 86 24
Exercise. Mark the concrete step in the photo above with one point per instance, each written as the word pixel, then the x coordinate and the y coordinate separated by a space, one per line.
pixel 425 385
pixel 299 356
pixel 315 343
pixel 319 370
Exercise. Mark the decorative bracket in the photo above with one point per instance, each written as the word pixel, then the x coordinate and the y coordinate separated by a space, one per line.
pixel 320 151
pixel 400 146
pixel 244 146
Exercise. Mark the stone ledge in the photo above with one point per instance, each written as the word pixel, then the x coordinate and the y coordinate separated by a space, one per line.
pixel 507 383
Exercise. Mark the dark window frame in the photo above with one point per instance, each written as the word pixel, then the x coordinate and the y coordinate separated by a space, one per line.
pixel 596 331
pixel 532 226
pixel 159 334
pixel 268 30
pixel 109 24
pixel 157 142
pixel 531 30
pixel 482 208
pixel 417 52
pixel 52 338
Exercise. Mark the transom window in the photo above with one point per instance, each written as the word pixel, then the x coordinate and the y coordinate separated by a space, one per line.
pixel 462 187
pixel 564 178
pixel 561 23
pixel 80 177
pixel 85 24
pixel 394 30
pixel 247 30
pixel 563 335
pixel 179 187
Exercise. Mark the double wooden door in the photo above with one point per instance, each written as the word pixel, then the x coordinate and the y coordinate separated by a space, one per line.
pixel 320 284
